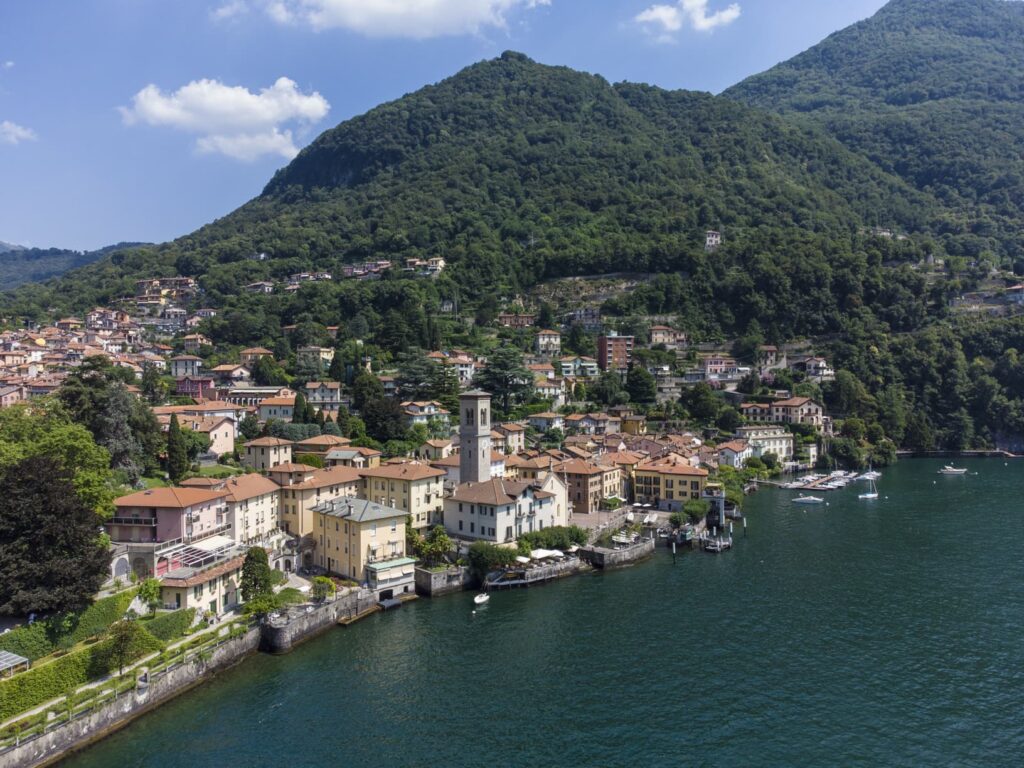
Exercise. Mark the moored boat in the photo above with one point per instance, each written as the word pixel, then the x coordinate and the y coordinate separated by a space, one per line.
pixel 482 598
pixel 951 470
pixel 808 500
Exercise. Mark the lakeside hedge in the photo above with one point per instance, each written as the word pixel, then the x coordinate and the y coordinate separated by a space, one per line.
pixel 66 673
pixel 44 637
pixel 169 626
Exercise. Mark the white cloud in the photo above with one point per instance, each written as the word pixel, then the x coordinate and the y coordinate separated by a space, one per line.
pixel 665 20
pixel 229 10
pixel 231 120
pixel 12 133
pixel 417 19
pixel 8 64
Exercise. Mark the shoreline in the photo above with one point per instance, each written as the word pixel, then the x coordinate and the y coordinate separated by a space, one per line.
pixel 114 716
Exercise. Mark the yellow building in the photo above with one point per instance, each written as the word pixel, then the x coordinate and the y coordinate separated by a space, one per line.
pixel 415 488
pixel 668 483
pixel 266 452
pixel 365 541
pixel 303 488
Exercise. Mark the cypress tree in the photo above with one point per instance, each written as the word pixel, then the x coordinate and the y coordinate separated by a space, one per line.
pixel 299 410
pixel 177 451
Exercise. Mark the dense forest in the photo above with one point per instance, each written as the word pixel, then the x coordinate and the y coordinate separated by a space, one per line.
pixel 931 91
pixel 20 265
pixel 518 173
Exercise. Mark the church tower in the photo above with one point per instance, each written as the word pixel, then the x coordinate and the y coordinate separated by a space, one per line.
pixel 474 437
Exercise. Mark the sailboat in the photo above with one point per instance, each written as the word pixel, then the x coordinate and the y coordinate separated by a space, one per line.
pixel 872 492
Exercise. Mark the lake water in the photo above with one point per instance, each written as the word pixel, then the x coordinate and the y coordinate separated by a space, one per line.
pixel 856 634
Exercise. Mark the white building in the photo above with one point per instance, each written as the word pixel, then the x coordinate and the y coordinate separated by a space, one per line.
pixel 768 439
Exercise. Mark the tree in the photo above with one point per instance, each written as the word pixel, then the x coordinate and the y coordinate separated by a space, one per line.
pixel 416 375
pixel 249 427
pixel 267 373
pixel 196 444
pixel 114 432
pixel 365 387
pixel 44 430
pixel 95 396
pixel 122 643
pixel 323 588
pixel 696 509
pixel 640 385
pixel 385 419
pixel 152 385
pixel 506 378
pixel 255 581
pixel 299 410
pixel 729 419
pixel 434 546
pixel 149 593
pixel 52 556
pixel 177 451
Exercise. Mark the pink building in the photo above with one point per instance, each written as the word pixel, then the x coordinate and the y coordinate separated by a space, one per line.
pixel 161 516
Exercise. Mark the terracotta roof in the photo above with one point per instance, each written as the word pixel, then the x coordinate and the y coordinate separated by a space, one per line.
pixel 278 401
pixel 408 471
pixel 169 498
pixel 736 446
pixel 249 486
pixel 671 467
pixel 495 492
pixel 579 467
pixel 267 442
pixel 328 440
pixel 330 476
pixel 203 576
pixel 292 467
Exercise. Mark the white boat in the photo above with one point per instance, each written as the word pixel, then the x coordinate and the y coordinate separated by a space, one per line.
pixel 808 500
pixel 950 470
pixel 872 492
pixel 482 598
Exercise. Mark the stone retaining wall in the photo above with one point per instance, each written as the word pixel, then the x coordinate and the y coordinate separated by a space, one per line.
pixel 599 557
pixel 92 726
pixel 279 635
pixel 435 583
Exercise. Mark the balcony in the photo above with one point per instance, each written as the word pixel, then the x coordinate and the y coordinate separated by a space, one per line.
pixel 132 521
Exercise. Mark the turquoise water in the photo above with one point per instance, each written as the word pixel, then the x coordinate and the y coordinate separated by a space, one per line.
pixel 861 633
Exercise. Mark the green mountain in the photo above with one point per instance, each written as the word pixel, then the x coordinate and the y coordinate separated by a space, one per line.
pixel 20 265
pixel 930 90
pixel 516 172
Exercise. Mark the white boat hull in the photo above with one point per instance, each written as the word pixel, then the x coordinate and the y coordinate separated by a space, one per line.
pixel 481 598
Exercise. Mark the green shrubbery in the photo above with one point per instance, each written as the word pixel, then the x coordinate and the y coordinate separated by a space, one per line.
pixel 44 637
pixel 65 674
pixel 485 557
pixel 170 626
pixel 559 537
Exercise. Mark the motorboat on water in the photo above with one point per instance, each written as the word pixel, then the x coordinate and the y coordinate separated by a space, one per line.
pixel 481 599
pixel 951 470
pixel 808 500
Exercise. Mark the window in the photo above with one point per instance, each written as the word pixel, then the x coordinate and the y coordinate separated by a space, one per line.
pixel 394 525
pixel 472 527
pixel 373 529
pixel 460 525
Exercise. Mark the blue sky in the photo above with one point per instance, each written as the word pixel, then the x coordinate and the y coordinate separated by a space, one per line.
pixel 144 119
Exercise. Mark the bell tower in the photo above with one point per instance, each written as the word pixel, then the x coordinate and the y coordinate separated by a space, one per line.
pixel 474 437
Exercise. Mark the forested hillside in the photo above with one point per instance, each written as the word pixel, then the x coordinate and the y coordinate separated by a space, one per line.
pixel 515 172
pixel 930 90
pixel 19 265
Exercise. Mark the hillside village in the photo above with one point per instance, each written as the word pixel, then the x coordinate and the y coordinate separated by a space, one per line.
pixel 343 463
